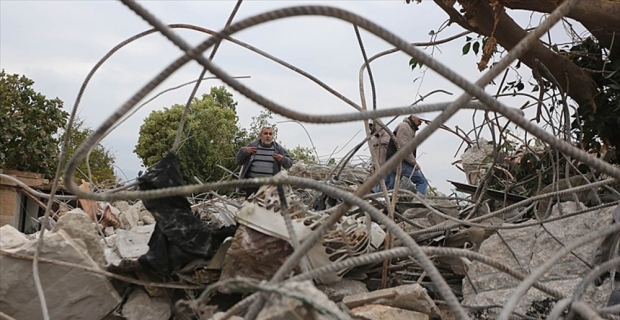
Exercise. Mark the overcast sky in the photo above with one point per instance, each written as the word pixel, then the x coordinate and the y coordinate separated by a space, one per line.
pixel 56 43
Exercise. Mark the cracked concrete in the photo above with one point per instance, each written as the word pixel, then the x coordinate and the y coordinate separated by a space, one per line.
pixel 531 247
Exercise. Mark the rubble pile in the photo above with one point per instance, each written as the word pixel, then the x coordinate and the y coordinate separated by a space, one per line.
pixel 196 260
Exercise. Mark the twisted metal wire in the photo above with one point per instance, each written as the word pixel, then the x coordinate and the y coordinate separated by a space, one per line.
pixel 489 103
pixel 593 274
pixel 540 271
pixel 436 251
pixel 516 206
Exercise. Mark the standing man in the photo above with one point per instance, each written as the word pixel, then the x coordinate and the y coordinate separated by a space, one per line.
pixel 379 142
pixel 405 132
pixel 262 158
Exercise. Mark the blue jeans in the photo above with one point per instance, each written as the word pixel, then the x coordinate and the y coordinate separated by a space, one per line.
pixel 416 176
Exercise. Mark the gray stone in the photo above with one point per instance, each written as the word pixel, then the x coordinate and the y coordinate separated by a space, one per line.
pixel 70 293
pixel 532 247
pixel 220 315
pixel 381 312
pixel 121 206
pixel 338 290
pixel 140 306
pixel 133 243
pixel 285 308
pixel 410 297
pixel 109 231
pixel 130 217
pixel 146 217
pixel 11 238
pixel 476 160
pixel 78 225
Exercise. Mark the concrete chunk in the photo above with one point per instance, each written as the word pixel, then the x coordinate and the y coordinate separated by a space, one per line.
pixel 140 306
pixel 527 249
pixel 133 243
pixel 11 238
pixel 77 224
pixel 70 293
pixel 410 297
pixel 338 290
pixel 381 312
pixel 285 308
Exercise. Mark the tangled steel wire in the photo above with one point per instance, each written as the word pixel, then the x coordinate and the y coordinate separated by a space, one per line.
pixel 447 110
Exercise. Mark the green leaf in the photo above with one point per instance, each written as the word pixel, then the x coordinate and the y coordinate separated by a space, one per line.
pixel 476 47
pixel 520 86
pixel 413 63
pixel 466 48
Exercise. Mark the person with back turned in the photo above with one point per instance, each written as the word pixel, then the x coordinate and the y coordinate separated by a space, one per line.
pixel 404 133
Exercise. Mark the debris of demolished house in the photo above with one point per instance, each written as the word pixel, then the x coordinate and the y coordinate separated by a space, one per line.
pixel 188 259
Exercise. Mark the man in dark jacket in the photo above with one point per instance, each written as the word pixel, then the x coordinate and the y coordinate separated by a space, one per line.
pixel 262 158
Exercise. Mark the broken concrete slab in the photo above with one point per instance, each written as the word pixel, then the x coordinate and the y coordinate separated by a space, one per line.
pixel 146 217
pixel 11 238
pixel 381 312
pixel 127 245
pixel 140 306
pixel 532 247
pixel 349 237
pixel 130 217
pixel 255 255
pixel 338 290
pixel 122 206
pixel 410 297
pixel 70 293
pixel 285 308
pixel 220 315
pixel 475 160
pixel 133 243
pixel 77 224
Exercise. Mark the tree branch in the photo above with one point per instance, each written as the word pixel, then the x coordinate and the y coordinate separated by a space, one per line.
pixel 600 17
pixel 480 18
pixel 602 13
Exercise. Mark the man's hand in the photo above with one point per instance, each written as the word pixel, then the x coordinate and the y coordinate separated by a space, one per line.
pixel 250 150
pixel 417 166
pixel 278 157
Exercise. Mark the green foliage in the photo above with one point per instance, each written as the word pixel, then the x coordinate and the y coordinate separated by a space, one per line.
pixel 515 86
pixel 264 119
pixel 210 138
pixel 100 160
pixel 600 118
pixel 304 154
pixel 415 63
pixel 29 123
pixel 473 44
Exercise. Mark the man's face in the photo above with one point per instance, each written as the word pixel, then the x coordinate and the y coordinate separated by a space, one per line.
pixel 266 136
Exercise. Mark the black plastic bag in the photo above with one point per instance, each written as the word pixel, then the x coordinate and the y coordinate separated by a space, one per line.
pixel 179 236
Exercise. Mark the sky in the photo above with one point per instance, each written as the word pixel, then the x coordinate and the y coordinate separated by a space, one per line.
pixel 57 43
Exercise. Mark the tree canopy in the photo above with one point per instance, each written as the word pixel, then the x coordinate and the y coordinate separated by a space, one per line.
pixel 586 69
pixel 30 123
pixel 33 128
pixel 100 159
pixel 304 154
pixel 211 136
